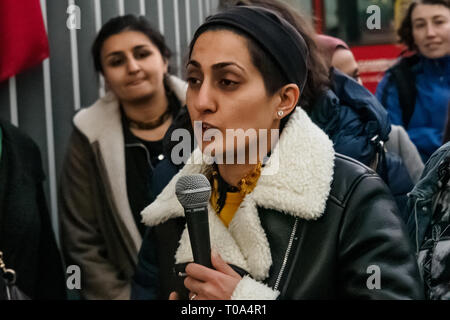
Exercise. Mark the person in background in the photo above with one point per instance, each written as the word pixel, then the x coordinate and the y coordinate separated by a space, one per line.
pixel 429 224
pixel 337 54
pixel 400 144
pixel 117 146
pixel 27 240
pixel 416 91
pixel 301 200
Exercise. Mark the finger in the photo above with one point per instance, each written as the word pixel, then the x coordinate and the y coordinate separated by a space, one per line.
pixel 220 265
pixel 193 285
pixel 173 296
pixel 199 272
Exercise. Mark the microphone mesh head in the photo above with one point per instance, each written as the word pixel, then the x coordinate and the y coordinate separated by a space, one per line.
pixel 193 190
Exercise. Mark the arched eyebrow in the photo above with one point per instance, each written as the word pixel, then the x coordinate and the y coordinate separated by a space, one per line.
pixel 437 16
pixel 194 63
pixel 418 20
pixel 120 52
pixel 225 64
pixel 216 66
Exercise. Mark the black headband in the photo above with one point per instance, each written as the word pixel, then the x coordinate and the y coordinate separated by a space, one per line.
pixel 273 33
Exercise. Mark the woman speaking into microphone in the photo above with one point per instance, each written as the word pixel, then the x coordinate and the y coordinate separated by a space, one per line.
pixel 298 221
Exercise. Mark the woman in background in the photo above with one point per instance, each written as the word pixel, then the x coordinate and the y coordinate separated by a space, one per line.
pixel 337 54
pixel 416 91
pixel 117 146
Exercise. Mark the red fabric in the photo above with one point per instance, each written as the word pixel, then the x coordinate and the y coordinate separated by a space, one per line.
pixel 318 13
pixel 23 39
pixel 373 61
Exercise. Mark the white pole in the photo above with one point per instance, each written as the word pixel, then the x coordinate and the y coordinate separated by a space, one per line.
pixel 13 101
pixel 188 20
pixel 98 26
pixel 121 7
pixel 161 16
pixel 75 68
pixel 50 137
pixel 200 11
pixel 142 10
pixel 177 37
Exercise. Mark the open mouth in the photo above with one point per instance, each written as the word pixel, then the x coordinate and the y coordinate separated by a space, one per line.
pixel 201 131
pixel 206 127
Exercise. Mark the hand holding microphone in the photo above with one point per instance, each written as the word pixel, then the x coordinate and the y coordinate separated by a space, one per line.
pixel 193 192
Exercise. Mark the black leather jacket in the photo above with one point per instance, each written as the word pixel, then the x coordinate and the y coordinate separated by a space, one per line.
pixel 358 249
pixel 339 255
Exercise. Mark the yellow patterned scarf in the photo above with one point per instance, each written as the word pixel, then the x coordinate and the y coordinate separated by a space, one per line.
pixel 234 198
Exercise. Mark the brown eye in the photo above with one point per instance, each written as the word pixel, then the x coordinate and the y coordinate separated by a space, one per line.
pixel 228 83
pixel 142 54
pixel 115 62
pixel 419 25
pixel 192 81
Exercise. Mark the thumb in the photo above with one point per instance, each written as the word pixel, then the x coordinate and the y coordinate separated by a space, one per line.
pixel 220 265
pixel 173 296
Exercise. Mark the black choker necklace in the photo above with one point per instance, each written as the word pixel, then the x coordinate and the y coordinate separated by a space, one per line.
pixel 149 125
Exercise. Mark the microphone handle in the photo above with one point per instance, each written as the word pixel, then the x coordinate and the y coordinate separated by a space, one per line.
pixel 198 228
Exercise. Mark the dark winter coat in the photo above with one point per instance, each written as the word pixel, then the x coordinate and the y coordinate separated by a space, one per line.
pixel 358 125
pixel 429 224
pixel 26 235
pixel 420 200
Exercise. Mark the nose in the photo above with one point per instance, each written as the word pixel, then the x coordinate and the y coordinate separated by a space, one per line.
pixel 205 101
pixel 431 32
pixel 132 65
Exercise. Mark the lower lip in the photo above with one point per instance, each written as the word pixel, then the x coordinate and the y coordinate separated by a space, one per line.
pixel 135 83
pixel 433 46
pixel 206 129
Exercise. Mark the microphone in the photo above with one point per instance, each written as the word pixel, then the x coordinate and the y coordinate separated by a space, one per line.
pixel 193 192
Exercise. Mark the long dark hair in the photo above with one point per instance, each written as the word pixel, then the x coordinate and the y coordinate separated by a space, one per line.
pixel 405 32
pixel 127 22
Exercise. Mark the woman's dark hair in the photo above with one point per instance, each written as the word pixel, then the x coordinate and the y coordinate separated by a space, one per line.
pixel 318 73
pixel 405 32
pixel 128 22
